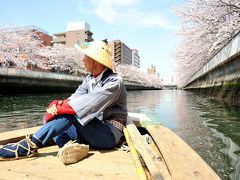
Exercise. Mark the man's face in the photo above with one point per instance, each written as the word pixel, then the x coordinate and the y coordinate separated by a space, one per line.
pixel 89 64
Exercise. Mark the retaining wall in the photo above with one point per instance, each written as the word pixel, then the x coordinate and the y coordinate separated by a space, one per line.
pixel 220 77
pixel 23 81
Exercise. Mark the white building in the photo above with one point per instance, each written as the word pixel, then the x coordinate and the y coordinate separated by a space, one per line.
pixel 135 58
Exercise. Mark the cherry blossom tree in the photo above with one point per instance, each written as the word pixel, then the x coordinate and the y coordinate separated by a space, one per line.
pixel 20 47
pixel 61 59
pixel 135 75
pixel 17 45
pixel 207 25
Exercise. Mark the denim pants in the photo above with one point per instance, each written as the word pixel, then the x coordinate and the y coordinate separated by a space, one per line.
pixel 96 133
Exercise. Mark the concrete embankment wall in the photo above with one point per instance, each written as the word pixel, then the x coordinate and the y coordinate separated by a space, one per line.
pixel 21 81
pixel 220 77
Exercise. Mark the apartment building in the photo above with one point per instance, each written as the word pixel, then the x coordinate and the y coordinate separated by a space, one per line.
pixel 77 32
pixel 151 70
pixel 135 58
pixel 121 53
pixel 43 35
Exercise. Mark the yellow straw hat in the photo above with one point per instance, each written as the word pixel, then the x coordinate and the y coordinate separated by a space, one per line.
pixel 98 51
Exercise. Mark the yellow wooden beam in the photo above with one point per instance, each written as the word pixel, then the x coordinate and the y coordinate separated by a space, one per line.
pixel 139 168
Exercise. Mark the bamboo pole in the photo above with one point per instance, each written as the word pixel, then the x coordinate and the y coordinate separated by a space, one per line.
pixel 144 150
pixel 139 168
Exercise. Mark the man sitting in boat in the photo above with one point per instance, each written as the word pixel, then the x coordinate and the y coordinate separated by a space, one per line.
pixel 95 114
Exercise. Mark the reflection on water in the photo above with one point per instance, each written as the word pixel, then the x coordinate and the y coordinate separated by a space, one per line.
pixel 18 112
pixel 159 105
pixel 210 128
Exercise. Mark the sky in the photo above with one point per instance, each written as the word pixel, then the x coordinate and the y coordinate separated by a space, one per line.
pixel 149 26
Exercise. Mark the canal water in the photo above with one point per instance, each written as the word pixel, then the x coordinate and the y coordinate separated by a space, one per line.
pixel 211 128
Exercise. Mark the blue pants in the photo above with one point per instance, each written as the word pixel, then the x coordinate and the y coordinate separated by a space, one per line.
pixel 95 133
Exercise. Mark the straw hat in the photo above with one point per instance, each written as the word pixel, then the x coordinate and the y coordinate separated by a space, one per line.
pixel 98 51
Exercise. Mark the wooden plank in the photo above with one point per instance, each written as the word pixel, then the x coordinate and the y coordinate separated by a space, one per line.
pixel 142 147
pixel 182 161
pixel 14 136
pixel 161 165
pixel 113 164
pixel 136 159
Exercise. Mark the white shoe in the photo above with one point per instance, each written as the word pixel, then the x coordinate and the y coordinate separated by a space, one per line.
pixel 72 152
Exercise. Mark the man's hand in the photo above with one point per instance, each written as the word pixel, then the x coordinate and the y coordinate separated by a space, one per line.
pixel 57 108
pixel 52 109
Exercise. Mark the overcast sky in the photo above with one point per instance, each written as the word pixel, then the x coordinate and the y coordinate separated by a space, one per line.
pixel 149 26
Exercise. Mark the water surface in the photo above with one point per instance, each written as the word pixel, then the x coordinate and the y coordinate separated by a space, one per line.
pixel 212 129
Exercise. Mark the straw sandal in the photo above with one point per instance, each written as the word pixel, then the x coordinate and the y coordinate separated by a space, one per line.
pixel 72 152
pixel 11 151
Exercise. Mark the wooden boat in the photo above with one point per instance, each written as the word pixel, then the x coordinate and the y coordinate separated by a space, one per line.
pixel 159 154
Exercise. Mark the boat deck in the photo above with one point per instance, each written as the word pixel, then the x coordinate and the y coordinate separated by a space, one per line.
pixel 114 164
pixel 99 164
pixel 165 156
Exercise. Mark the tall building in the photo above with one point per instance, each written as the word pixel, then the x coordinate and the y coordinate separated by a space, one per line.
pixel 77 32
pixel 135 58
pixel 121 53
pixel 151 70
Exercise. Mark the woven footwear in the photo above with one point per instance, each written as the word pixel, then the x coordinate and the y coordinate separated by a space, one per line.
pixel 72 152
pixel 22 149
